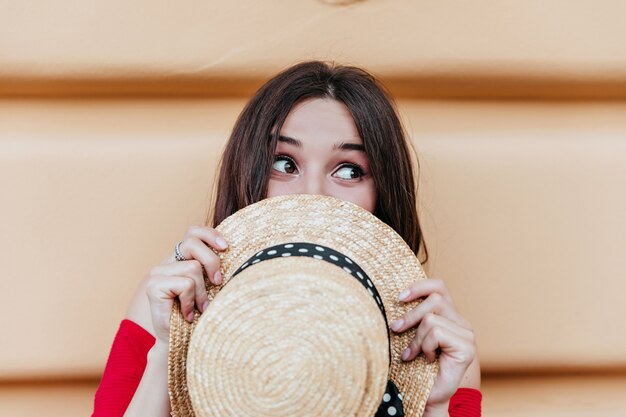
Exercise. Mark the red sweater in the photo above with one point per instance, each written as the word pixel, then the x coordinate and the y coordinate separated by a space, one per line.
pixel 127 362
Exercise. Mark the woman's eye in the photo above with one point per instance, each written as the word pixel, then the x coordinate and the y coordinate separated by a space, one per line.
pixel 349 172
pixel 284 164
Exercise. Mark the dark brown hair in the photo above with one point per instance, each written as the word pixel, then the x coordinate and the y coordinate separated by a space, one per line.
pixel 246 163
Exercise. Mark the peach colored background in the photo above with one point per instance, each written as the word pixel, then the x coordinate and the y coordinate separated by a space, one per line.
pixel 112 117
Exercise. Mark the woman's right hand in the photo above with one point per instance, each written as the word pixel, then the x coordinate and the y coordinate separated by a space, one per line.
pixel 184 279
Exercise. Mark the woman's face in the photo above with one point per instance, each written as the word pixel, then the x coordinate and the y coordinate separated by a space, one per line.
pixel 320 152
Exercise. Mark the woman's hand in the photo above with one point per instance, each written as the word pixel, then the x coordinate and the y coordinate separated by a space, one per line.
pixel 440 329
pixel 184 279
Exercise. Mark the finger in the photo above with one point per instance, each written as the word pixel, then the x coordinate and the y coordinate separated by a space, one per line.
pixel 432 341
pixel 191 269
pixel 423 288
pixel 163 289
pixel 449 343
pixel 208 235
pixel 434 303
pixel 442 325
pixel 197 249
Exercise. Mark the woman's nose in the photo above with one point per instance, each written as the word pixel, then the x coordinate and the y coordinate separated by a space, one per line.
pixel 314 184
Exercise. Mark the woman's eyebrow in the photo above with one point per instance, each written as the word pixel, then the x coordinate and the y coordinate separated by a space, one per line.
pixel 349 146
pixel 290 141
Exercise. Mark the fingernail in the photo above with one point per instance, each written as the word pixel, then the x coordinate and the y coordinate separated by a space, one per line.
pixel 191 316
pixel 221 243
pixel 403 295
pixel 205 306
pixel 397 325
pixel 405 354
pixel 217 278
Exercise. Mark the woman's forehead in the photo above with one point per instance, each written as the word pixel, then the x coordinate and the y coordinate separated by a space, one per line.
pixel 318 118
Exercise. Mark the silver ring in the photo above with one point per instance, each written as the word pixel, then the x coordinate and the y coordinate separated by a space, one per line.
pixel 179 256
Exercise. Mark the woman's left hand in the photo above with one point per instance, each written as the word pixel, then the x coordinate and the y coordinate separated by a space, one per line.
pixel 440 329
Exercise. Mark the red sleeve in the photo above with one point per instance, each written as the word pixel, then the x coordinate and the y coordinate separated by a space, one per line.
pixel 123 371
pixel 466 402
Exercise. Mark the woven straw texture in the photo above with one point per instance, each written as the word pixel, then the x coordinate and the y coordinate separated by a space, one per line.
pixel 289 351
pixel 344 226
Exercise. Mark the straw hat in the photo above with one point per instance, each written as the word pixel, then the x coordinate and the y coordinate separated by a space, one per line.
pixel 299 326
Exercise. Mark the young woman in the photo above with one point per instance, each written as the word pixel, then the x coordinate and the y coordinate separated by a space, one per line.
pixel 314 128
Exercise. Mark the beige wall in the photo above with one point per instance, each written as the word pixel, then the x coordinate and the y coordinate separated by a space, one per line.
pixel 113 115
pixel 522 203
pixel 526 48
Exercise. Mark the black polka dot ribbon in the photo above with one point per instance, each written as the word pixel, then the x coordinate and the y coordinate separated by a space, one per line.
pixel 391 404
pixel 322 253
